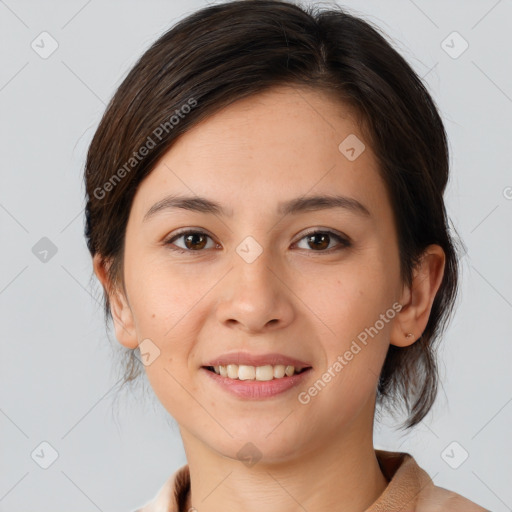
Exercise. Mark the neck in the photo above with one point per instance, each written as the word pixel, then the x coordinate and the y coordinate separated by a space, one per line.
pixel 339 471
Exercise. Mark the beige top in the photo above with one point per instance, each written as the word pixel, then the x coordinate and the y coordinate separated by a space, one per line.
pixel 410 489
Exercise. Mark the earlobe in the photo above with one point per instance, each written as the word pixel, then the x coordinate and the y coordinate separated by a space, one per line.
pixel 123 320
pixel 417 299
pixel 122 316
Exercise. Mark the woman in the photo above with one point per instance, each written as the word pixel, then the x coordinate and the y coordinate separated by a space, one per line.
pixel 265 213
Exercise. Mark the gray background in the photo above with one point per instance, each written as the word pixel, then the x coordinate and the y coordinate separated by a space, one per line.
pixel 58 372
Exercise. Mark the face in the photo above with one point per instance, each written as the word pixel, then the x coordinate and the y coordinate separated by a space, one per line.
pixel 318 283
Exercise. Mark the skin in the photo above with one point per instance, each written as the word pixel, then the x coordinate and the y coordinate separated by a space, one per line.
pixel 293 299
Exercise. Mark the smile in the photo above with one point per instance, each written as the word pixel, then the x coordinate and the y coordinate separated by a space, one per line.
pixel 250 382
pixel 260 373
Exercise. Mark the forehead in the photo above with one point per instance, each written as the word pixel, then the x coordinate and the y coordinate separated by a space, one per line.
pixel 281 143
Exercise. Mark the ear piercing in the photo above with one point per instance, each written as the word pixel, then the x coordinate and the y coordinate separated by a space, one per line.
pixel 408 335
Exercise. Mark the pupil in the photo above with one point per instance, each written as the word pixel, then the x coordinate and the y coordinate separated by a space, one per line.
pixel 324 237
pixel 191 236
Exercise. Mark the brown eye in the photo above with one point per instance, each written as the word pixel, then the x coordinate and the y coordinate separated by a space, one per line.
pixel 193 241
pixel 319 241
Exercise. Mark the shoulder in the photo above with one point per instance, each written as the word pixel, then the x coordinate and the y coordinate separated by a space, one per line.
pixel 438 499
pixel 411 488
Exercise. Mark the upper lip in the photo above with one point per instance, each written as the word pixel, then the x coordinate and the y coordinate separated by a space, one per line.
pixel 257 360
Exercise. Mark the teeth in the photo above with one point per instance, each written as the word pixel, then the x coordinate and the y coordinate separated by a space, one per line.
pixel 232 371
pixel 262 373
pixel 279 371
pixel 289 370
pixel 246 372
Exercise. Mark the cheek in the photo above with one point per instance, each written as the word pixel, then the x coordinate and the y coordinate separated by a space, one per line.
pixel 356 307
pixel 173 387
pixel 350 296
pixel 356 344
pixel 159 295
pixel 167 312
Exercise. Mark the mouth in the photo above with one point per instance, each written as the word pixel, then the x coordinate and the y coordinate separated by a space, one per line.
pixel 244 365
pixel 256 383
pixel 257 373
pixel 256 376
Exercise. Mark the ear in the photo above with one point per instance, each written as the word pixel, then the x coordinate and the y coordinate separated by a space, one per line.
pixel 121 312
pixel 417 299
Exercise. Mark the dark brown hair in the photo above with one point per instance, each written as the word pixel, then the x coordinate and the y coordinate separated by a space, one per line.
pixel 229 51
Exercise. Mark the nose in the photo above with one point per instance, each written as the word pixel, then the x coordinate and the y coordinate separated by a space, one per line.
pixel 255 297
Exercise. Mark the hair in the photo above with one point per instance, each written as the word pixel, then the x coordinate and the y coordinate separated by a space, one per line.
pixel 229 51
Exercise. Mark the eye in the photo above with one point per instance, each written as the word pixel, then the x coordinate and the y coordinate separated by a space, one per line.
pixel 194 241
pixel 320 240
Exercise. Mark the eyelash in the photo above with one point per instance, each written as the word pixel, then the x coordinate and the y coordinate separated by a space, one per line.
pixel 344 242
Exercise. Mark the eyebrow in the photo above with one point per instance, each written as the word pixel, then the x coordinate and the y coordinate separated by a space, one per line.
pixel 293 206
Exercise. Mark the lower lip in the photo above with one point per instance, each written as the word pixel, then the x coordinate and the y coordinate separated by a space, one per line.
pixel 256 389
